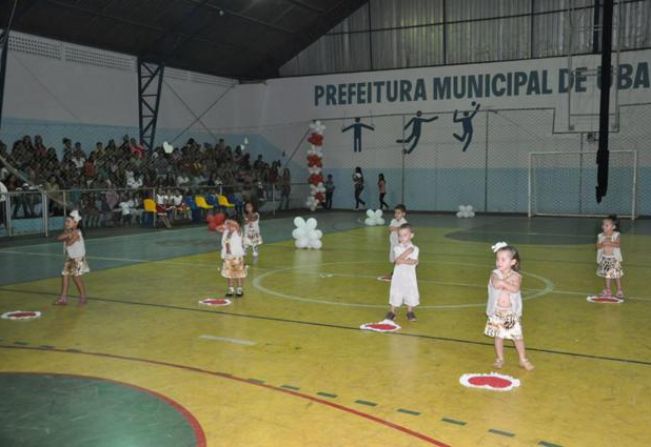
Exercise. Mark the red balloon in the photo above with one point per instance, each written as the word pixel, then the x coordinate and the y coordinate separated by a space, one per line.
pixel 212 226
pixel 219 219
pixel 314 160
pixel 315 179
pixel 316 139
pixel 210 218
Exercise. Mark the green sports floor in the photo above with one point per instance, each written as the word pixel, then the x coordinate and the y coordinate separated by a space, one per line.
pixel 144 364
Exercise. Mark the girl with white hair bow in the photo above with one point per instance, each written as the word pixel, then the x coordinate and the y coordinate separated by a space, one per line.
pixel 75 264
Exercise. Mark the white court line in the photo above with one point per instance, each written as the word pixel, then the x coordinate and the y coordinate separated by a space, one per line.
pixel 235 341
pixel 257 283
pixel 134 260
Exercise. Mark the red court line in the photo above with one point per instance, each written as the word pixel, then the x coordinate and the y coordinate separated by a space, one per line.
pixel 199 434
pixel 343 408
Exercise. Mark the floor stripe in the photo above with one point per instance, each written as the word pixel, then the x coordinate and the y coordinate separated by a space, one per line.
pixel 412 412
pixel 501 432
pixel 330 404
pixel 290 387
pixel 235 341
pixel 324 394
pixel 366 402
pixel 336 326
pixel 548 444
pixel 453 421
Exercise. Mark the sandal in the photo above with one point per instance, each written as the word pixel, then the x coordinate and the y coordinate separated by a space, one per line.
pixel 62 301
pixel 620 294
pixel 499 363
pixel 82 301
pixel 526 364
pixel 606 293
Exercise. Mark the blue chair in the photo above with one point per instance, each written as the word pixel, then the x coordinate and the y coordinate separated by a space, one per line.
pixel 196 211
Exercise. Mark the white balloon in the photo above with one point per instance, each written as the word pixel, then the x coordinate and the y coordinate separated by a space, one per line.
pixel 369 221
pixel 459 214
pixel 378 214
pixel 319 234
pixel 298 233
pixel 299 221
pixel 370 213
pixel 313 207
pixel 311 223
pixel 380 221
pixel 317 244
pixel 301 243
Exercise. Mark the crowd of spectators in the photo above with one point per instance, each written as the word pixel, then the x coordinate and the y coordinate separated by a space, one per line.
pixel 101 180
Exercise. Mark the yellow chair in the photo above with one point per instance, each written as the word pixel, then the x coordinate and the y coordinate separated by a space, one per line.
pixel 201 203
pixel 223 202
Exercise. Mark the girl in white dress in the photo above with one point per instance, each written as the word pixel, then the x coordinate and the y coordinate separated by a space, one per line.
pixel 504 308
pixel 75 264
pixel 609 255
pixel 252 236
pixel 404 285
pixel 232 253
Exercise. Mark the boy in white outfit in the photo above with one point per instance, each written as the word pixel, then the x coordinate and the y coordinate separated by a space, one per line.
pixel 404 285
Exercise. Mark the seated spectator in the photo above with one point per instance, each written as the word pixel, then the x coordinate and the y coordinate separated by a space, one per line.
pixel 136 149
pixel 3 199
pixel 78 157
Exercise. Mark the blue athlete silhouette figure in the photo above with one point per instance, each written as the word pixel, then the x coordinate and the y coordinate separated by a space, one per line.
pixel 416 124
pixel 357 133
pixel 466 122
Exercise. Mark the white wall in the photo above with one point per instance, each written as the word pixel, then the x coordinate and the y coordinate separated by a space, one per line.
pixel 51 94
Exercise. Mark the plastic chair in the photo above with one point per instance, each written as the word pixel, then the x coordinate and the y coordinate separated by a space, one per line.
pixel 224 202
pixel 212 200
pixel 201 203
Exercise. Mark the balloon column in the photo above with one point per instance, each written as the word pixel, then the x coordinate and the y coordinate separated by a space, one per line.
pixel 374 218
pixel 314 166
pixel 305 234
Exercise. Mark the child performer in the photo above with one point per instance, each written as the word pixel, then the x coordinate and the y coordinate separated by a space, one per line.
pixel 404 286
pixel 609 255
pixel 75 264
pixel 399 214
pixel 233 268
pixel 504 308
pixel 252 237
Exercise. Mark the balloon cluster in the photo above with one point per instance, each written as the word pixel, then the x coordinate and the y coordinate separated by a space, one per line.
pixel 305 234
pixel 374 218
pixel 465 211
pixel 215 220
pixel 314 165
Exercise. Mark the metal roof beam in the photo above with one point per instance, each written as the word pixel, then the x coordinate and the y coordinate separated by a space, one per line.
pixel 247 18
pixel 158 29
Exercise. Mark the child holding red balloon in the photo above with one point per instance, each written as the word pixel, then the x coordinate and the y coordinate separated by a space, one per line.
pixel 232 253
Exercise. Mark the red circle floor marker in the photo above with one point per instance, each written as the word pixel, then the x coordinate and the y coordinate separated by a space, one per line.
pixel 21 315
pixel 382 326
pixel 215 302
pixel 492 381
pixel 605 299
